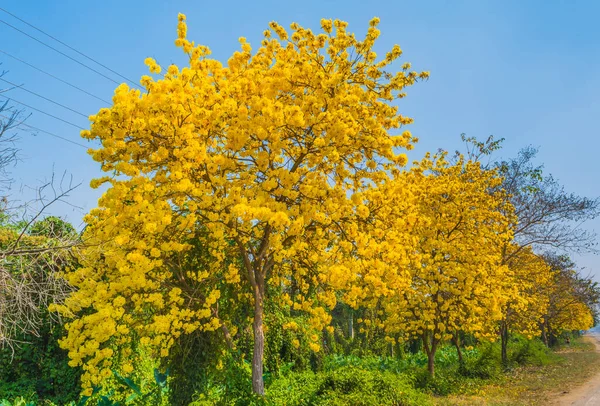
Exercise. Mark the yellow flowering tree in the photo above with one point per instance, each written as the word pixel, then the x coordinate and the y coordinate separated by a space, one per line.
pixel 543 217
pixel 458 231
pixel 258 159
pixel 571 299
pixel 525 286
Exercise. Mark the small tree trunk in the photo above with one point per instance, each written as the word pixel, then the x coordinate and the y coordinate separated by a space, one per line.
pixel 431 363
pixel 258 385
pixel 552 338
pixel 224 329
pixel 544 335
pixel 456 342
pixel 351 325
pixel 228 338
pixel 430 349
pixel 504 343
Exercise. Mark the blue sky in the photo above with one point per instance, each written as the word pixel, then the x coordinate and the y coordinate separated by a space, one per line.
pixel 525 71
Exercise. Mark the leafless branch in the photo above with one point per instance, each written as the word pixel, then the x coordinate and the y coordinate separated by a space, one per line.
pixel 33 249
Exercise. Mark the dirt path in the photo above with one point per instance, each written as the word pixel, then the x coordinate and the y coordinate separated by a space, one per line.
pixel 587 394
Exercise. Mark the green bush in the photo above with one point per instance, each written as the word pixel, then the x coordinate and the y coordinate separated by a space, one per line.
pixel 39 369
pixel 19 401
pixel 528 352
pixel 482 363
pixel 344 386
pixel 232 385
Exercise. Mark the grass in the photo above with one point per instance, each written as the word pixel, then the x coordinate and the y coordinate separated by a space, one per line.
pixel 537 385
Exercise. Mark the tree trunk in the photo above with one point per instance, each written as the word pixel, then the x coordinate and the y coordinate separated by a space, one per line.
pixel 430 350
pixel 257 270
pixel 544 335
pixel 351 325
pixel 431 363
pixel 504 342
pixel 258 385
pixel 552 338
pixel 456 342
pixel 227 335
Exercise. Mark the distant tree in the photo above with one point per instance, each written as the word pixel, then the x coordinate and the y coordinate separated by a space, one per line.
pixel 526 285
pixel 546 219
pixel 572 300
pixel 549 218
pixel 10 118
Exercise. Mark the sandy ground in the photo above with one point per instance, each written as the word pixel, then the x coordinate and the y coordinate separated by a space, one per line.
pixel 587 394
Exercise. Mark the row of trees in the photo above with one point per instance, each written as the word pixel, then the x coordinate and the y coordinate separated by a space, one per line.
pixel 267 198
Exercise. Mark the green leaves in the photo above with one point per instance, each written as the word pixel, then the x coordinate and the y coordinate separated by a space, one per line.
pixel 161 379
pixel 137 397
pixel 128 382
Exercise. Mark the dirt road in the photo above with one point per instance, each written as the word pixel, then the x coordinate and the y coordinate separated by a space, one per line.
pixel 587 394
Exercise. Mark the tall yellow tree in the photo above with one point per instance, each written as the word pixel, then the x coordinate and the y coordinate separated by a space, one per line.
pixel 458 231
pixel 260 155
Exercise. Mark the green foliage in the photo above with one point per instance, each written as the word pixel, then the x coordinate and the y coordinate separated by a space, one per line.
pixel 280 353
pixel 230 385
pixel 367 340
pixel 38 368
pixel 192 363
pixel 340 379
pixel 129 392
pixel 52 227
pixel 344 386
pixel 452 377
pixel 9 222
pixel 486 365
pixel 529 352
pixel 155 395
pixel 19 401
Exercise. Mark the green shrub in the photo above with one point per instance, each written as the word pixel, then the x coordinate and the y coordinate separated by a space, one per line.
pixel 344 386
pixel 19 401
pixel 39 369
pixel 232 385
pixel 482 363
pixel 444 383
pixel 528 352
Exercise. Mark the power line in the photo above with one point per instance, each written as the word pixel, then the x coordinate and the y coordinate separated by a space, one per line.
pixel 43 112
pixel 55 77
pixel 45 98
pixel 60 52
pixel 48 132
pixel 70 47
